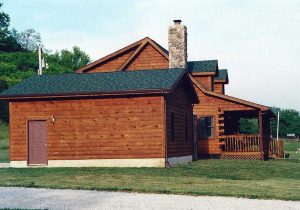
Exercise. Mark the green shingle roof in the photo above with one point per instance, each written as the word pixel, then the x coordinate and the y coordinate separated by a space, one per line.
pixel 223 75
pixel 110 82
pixel 203 66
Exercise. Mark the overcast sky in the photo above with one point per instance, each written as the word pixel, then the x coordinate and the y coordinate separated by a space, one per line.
pixel 257 41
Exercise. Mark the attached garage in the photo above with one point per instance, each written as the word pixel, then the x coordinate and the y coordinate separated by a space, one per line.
pixel 115 119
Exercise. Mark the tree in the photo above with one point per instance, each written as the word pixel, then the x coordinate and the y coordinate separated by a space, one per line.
pixel 66 61
pixel 248 126
pixel 3 104
pixel 28 39
pixel 7 41
pixel 4 19
pixel 289 122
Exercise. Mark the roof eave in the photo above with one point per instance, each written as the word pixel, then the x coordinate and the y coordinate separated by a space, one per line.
pixel 230 98
pixel 72 95
pixel 210 73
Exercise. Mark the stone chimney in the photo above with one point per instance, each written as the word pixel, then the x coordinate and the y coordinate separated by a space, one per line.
pixel 177 45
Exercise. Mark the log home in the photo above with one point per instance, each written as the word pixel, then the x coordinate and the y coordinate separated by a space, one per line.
pixel 217 115
pixel 137 118
pixel 141 106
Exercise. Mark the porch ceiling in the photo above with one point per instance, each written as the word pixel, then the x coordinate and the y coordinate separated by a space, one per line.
pixel 242 113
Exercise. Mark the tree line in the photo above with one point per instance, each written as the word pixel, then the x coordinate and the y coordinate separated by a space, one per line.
pixel 19 57
pixel 289 123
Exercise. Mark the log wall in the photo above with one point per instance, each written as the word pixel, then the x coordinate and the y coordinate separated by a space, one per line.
pixel 211 106
pixel 148 58
pixel 206 81
pixel 219 88
pixel 180 104
pixel 93 128
pixel 112 64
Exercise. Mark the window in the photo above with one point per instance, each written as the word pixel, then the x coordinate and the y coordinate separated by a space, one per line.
pixel 206 125
pixel 186 128
pixel 172 127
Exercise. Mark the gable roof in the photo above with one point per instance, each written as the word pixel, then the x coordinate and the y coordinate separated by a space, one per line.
pixel 232 99
pixel 108 83
pixel 222 76
pixel 136 46
pixel 203 67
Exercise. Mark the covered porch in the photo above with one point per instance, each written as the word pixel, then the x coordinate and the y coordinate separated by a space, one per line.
pixel 235 144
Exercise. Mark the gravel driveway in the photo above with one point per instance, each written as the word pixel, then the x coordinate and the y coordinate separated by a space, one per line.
pixel 13 197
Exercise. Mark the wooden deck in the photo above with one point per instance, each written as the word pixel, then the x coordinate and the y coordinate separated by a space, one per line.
pixel 241 147
pixel 276 148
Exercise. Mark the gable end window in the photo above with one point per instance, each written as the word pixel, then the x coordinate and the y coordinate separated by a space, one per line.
pixel 206 127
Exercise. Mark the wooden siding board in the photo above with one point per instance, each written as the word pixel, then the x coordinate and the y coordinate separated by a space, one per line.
pixel 148 58
pixel 109 128
pixel 179 103
pixel 113 64
pixel 219 88
pixel 206 81
pixel 210 106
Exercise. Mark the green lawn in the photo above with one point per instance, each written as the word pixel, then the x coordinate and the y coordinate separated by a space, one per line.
pixel 276 179
pixel 291 146
pixel 4 154
pixel 273 179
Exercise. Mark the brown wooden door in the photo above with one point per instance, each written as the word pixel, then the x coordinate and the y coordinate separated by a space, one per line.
pixel 37 142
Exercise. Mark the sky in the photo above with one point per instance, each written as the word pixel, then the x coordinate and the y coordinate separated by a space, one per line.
pixel 257 41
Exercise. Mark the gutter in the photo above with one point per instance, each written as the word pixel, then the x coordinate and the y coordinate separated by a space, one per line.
pixel 72 95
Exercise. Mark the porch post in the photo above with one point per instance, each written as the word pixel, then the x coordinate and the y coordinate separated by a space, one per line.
pixel 260 122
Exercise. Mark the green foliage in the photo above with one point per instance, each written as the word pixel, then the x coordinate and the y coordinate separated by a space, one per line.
pixel 248 126
pixel 289 122
pixel 7 41
pixel 66 61
pixel 3 104
pixel 4 18
pixel 16 66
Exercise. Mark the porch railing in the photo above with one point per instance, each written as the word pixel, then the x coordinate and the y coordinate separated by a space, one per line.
pixel 241 143
pixel 276 148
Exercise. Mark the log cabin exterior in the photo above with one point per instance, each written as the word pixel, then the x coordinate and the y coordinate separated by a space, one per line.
pixel 88 120
pixel 209 82
pixel 190 117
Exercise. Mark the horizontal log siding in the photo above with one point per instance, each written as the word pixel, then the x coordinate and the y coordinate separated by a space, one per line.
pixel 205 81
pixel 113 64
pixel 180 104
pixel 209 106
pixel 93 128
pixel 149 58
pixel 219 88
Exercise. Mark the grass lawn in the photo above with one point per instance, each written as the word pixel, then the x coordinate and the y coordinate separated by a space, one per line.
pixel 291 146
pixel 274 179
